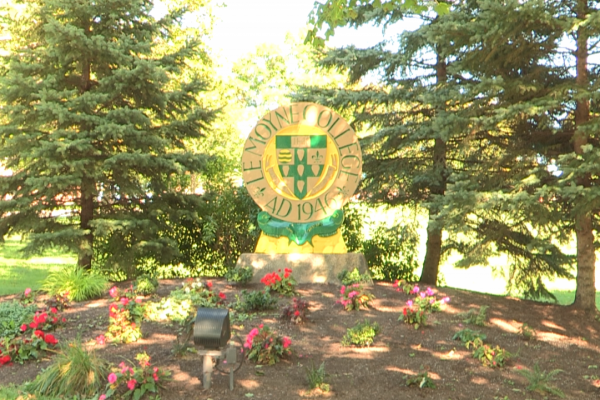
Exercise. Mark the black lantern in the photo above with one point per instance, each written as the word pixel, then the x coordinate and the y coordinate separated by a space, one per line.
pixel 211 329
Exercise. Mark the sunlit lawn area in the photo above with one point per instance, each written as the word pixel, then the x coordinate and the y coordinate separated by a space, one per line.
pixel 18 273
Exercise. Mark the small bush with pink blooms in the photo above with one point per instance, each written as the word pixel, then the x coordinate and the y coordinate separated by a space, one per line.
pixel 414 315
pixel 283 284
pixel 354 297
pixel 131 381
pixel 295 312
pixel 125 316
pixel 424 303
pixel 266 347
pixel 27 297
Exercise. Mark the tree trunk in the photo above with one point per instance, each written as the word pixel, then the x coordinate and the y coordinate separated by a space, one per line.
pixel 433 253
pixel 86 215
pixel 585 295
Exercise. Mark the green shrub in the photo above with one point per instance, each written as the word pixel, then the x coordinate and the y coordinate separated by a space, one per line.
pixel 476 317
pixel 12 315
pixel 145 284
pixel 362 334
pixel 74 371
pixel 78 284
pixel 539 381
pixel 351 277
pixel 254 301
pixel 467 335
pixel 240 275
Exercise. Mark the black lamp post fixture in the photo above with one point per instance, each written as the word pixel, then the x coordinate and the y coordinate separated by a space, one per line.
pixel 212 331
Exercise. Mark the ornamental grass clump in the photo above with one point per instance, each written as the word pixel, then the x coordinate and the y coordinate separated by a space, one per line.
pixel 354 297
pixel 285 285
pixel 73 371
pixel 266 347
pixel 80 284
pixel 125 316
pixel 131 381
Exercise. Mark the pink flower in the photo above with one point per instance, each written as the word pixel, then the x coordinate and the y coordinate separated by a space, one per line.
pixel 430 292
pixel 352 294
pixel 100 339
pixel 155 377
pixel 409 303
pixel 415 289
pixel 343 289
pixel 113 291
pixel 124 367
pixel 112 378
pixel 27 291
pixel 422 295
pixel 286 342
pixel 102 397
pixel 131 384
pixel 124 301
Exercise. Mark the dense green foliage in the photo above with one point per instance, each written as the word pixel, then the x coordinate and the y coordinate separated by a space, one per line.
pixel 99 105
pixel 12 315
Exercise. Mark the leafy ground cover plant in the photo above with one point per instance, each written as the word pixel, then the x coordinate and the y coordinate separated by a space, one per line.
pixel 181 303
pixel 285 285
pixel 13 314
pixel 362 334
pixel 422 380
pixel 125 316
pixel 539 381
pixel 317 377
pixel 266 347
pixel 295 312
pixel 241 275
pixel 145 284
pixel 73 371
pixel 351 277
pixel 467 335
pixel 476 317
pixel 27 297
pixel 354 297
pixel 131 381
pixel 251 301
pixel 489 356
pixel 78 283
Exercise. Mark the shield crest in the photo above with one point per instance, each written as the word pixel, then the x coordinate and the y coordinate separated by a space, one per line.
pixel 301 160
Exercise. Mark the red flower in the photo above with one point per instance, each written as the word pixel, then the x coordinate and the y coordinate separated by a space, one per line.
pixel 40 319
pixel 50 339
pixel 296 313
pixel 53 310
pixel 209 284
pixel 222 295
pixel 112 310
pixel 404 311
pixel 39 333
pixel 114 292
pixel 23 327
pixel 4 359
pixel 33 325
pixel 54 320
pixel 124 301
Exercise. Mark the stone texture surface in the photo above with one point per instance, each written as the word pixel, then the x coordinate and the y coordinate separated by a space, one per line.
pixel 307 268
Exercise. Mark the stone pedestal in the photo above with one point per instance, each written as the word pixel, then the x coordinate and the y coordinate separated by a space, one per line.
pixel 307 268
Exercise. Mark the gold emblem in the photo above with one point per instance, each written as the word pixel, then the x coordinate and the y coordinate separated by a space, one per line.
pixel 301 162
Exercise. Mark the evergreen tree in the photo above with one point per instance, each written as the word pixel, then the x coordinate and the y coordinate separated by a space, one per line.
pixel 96 118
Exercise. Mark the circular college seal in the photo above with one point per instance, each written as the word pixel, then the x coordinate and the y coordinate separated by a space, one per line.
pixel 301 163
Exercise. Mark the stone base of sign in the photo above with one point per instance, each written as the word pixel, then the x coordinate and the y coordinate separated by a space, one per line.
pixel 320 245
pixel 307 268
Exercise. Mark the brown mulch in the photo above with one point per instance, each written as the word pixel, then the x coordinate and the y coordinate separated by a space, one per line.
pixel 565 340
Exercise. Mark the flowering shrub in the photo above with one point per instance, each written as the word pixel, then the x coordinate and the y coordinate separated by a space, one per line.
pixel 295 312
pixel 134 382
pixel 182 303
pixel 27 297
pixel 353 297
pixel 266 347
pixel 285 285
pixel 413 314
pixel 125 316
pixel 34 338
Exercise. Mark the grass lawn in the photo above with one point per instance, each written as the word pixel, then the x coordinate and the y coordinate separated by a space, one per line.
pixel 18 273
